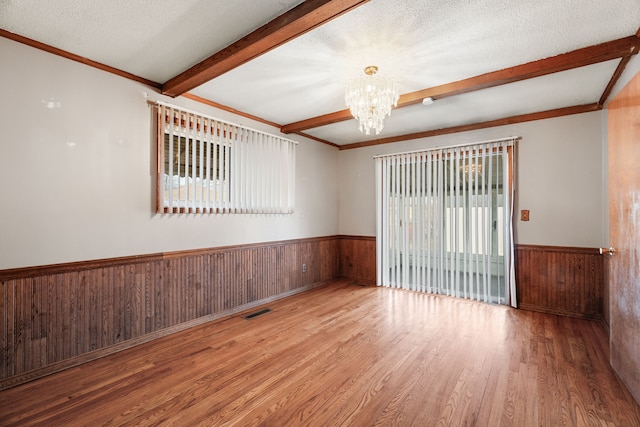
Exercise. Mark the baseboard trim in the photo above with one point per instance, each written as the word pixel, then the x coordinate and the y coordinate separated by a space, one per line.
pixel 558 312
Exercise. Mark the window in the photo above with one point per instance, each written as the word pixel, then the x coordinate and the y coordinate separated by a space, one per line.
pixel 206 165
pixel 195 173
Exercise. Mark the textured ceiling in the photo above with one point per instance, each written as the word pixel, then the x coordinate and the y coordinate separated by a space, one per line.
pixel 153 39
pixel 574 87
pixel 421 43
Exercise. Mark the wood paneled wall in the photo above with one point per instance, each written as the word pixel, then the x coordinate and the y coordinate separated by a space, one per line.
pixel 561 280
pixel 552 279
pixel 358 258
pixel 54 317
pixel 58 316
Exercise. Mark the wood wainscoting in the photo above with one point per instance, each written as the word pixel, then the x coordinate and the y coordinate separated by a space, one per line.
pixel 561 280
pixel 57 316
pixel 551 279
pixel 358 258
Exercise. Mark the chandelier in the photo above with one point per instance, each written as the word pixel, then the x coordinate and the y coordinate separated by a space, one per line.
pixel 370 99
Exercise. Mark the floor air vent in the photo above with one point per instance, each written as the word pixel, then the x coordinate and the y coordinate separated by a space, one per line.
pixel 257 313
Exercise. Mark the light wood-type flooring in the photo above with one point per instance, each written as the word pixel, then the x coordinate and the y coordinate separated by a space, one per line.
pixel 345 355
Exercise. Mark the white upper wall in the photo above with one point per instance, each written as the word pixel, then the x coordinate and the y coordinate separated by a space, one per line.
pixel 78 180
pixel 559 179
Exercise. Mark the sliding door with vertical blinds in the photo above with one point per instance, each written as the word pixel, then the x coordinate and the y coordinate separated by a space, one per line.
pixel 207 165
pixel 444 221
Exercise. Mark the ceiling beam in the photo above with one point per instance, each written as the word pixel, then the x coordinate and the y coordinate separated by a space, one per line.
pixel 618 73
pixel 578 58
pixel 548 114
pixel 297 21
pixel 614 79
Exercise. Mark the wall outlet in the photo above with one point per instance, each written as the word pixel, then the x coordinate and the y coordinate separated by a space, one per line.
pixel 304 268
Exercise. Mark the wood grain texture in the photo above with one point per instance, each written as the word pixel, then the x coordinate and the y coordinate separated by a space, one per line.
pixel 358 258
pixel 560 280
pixel 347 355
pixel 624 233
pixel 54 317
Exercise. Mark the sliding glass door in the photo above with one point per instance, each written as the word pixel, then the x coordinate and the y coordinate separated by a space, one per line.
pixel 444 221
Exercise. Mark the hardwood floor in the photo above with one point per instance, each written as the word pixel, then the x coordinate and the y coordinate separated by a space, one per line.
pixel 347 355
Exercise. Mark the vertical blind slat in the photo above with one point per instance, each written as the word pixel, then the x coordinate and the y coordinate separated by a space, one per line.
pixel 171 154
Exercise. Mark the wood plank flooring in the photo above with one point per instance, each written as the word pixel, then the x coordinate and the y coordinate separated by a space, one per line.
pixel 346 355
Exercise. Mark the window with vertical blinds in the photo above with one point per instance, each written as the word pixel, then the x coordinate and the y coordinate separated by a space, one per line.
pixel 444 221
pixel 207 165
